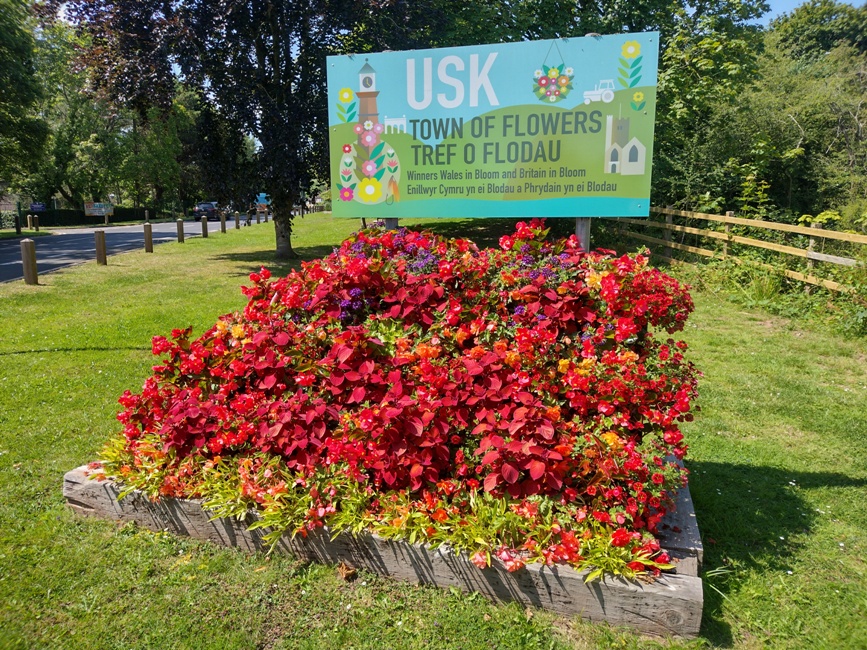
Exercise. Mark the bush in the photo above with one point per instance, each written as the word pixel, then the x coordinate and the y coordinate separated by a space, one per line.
pixel 512 403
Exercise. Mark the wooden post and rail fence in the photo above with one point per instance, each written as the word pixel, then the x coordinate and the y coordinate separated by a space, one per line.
pixel 727 238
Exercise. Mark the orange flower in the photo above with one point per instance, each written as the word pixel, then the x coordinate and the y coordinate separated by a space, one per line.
pixel 500 347
pixel 439 515
pixel 553 413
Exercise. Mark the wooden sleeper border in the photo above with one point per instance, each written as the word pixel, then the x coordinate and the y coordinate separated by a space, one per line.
pixel 670 605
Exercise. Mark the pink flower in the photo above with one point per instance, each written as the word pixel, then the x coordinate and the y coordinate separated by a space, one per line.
pixel 480 559
pixel 378 128
pixel 358 129
pixel 369 168
pixel 346 194
pixel 369 139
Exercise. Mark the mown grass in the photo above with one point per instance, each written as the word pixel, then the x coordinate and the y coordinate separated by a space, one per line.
pixel 12 234
pixel 779 479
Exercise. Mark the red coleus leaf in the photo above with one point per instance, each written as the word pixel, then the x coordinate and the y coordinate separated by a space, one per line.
pixel 281 339
pixel 537 469
pixel 269 381
pixel 491 481
pixel 510 472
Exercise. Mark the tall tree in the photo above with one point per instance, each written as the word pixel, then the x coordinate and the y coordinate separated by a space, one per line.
pixel 22 134
pixel 262 64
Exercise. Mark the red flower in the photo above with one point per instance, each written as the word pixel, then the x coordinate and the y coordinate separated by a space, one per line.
pixel 620 537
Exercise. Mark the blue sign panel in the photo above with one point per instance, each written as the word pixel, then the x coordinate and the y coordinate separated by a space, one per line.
pixel 542 128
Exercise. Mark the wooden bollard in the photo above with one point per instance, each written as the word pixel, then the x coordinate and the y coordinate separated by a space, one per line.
pixel 180 231
pixel 28 259
pixel 101 257
pixel 223 221
pixel 29 222
pixel 266 217
pixel 258 217
pixel 204 227
pixel 149 237
pixel 237 220
pixel 36 222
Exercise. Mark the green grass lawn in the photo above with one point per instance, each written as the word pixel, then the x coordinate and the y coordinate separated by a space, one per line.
pixel 11 234
pixel 779 479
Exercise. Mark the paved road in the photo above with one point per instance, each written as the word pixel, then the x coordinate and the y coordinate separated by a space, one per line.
pixel 77 245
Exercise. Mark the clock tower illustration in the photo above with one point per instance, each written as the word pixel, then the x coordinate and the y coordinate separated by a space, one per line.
pixel 367 94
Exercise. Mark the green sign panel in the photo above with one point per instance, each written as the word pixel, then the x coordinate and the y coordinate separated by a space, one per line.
pixel 560 128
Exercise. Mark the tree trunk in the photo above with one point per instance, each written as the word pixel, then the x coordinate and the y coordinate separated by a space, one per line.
pixel 283 231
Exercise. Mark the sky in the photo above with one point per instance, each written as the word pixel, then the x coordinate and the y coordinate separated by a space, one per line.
pixel 780 7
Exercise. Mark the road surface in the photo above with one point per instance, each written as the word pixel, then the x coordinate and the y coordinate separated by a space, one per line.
pixel 66 247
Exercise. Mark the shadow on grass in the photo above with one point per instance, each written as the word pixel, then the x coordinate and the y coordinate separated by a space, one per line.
pixel 87 349
pixel 267 258
pixel 747 515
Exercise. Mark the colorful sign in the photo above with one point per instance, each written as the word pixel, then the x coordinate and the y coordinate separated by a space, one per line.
pixel 92 209
pixel 37 207
pixel 560 128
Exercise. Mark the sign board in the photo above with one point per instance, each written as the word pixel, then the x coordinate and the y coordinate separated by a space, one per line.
pixel 37 207
pixel 557 128
pixel 92 209
pixel 262 202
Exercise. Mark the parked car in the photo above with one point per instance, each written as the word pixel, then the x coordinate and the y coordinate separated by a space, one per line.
pixel 208 209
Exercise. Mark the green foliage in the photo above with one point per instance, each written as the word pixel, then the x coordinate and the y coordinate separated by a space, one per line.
pixel 22 133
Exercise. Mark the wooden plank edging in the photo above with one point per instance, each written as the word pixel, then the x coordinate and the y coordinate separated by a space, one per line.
pixel 671 605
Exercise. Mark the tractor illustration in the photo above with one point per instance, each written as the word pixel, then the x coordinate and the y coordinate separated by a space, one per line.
pixel 604 91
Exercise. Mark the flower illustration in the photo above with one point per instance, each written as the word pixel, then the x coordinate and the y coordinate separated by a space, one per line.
pixel 553 73
pixel 346 194
pixel 378 128
pixel 544 81
pixel 631 49
pixel 368 125
pixel 537 74
pixel 358 129
pixel 369 168
pixel 369 139
pixel 347 148
pixel 638 97
pixel 345 95
pixel 569 72
pixel 563 80
pixel 370 190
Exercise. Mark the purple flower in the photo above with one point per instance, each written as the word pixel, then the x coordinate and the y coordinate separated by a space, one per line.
pixel 354 292
pixel 534 274
pixel 525 249
pixel 526 260
pixel 520 310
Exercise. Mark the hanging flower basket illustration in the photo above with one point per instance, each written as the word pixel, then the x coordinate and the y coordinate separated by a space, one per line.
pixel 369 178
pixel 553 84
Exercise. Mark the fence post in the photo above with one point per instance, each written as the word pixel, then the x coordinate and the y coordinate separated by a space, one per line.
pixel 222 221
pixel 29 222
pixel 258 217
pixel 106 218
pixel 28 260
pixel 812 245
pixel 180 231
pixel 149 237
pixel 101 258
pixel 36 222
pixel 204 226
pixel 729 214
pixel 237 220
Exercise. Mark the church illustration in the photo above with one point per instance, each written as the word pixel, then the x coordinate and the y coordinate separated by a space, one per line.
pixel 623 155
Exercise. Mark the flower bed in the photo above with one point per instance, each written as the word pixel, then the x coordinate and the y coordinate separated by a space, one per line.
pixel 515 404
